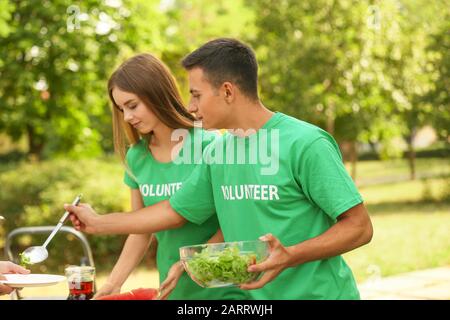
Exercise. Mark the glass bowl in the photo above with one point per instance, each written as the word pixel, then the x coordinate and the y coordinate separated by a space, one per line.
pixel 223 264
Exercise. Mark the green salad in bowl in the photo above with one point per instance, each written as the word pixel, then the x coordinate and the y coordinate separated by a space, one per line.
pixel 223 264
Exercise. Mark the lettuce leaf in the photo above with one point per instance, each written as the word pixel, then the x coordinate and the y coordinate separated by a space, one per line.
pixel 229 266
pixel 24 260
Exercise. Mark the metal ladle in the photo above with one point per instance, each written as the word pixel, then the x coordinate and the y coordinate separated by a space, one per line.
pixel 38 254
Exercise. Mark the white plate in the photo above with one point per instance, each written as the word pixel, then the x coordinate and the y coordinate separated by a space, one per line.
pixel 31 280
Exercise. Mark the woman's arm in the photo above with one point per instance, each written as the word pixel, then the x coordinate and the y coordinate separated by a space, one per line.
pixel 177 270
pixel 133 251
pixel 217 237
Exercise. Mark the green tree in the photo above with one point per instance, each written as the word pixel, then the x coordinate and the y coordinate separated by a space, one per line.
pixel 5 12
pixel 56 60
pixel 54 75
pixel 359 69
pixel 439 96
pixel 318 63
pixel 408 65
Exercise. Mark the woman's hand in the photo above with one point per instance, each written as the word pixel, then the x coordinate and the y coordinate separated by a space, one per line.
pixel 83 217
pixel 171 281
pixel 106 290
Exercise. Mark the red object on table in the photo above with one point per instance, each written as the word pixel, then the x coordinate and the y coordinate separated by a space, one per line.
pixel 135 294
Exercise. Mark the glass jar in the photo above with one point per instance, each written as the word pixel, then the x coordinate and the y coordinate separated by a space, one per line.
pixel 81 281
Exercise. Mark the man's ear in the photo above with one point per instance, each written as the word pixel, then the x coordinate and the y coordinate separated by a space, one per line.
pixel 229 91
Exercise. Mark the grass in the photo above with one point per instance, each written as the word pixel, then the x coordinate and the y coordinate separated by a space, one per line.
pixel 418 191
pixel 407 237
pixel 411 220
pixel 398 168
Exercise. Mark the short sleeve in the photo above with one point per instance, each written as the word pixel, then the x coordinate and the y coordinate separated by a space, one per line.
pixel 195 200
pixel 128 177
pixel 324 179
pixel 129 181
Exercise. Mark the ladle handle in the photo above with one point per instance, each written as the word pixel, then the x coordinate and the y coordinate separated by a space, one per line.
pixel 61 221
pixel 66 214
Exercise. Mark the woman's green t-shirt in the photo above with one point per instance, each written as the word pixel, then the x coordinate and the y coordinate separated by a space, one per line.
pixel 158 181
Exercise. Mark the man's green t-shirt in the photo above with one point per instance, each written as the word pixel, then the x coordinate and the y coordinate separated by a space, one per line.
pixel 158 181
pixel 293 185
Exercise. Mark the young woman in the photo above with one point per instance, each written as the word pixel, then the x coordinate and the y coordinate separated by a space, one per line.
pixel 147 108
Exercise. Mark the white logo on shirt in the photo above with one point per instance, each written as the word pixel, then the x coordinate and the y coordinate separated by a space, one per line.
pixel 159 190
pixel 250 192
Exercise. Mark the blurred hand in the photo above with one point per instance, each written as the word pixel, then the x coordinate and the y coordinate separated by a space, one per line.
pixel 106 290
pixel 171 281
pixel 277 261
pixel 9 267
pixel 83 217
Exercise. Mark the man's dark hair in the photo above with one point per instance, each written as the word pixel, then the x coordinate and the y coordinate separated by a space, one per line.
pixel 226 59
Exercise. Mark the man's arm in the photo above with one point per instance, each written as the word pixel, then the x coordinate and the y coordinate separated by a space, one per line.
pixel 352 230
pixel 158 217
pixel 150 219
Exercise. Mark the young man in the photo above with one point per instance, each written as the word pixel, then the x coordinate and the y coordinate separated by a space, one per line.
pixel 287 185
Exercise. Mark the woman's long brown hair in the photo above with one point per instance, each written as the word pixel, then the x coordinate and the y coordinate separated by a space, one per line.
pixel 151 80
